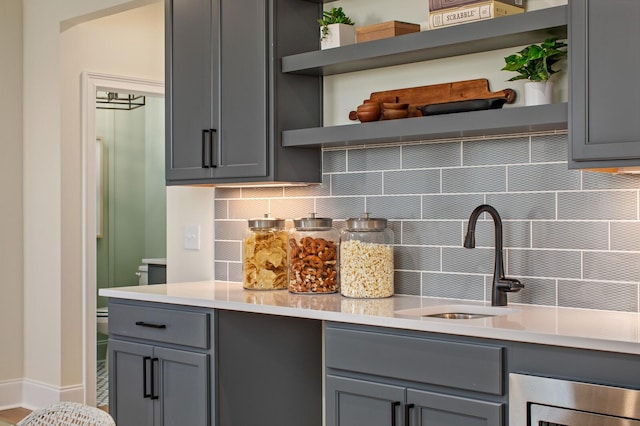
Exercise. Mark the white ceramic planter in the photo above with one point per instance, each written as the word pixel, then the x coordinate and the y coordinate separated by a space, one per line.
pixel 339 35
pixel 538 93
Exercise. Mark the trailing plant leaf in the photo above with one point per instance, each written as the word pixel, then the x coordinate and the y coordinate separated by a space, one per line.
pixel 333 16
pixel 535 62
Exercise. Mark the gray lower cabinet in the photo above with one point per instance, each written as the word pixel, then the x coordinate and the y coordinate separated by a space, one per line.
pixel 604 99
pixel 160 365
pixel 226 100
pixel 353 402
pixel 385 377
pixel 158 386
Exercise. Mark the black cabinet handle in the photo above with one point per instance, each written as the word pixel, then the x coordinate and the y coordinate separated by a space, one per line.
pixel 205 145
pixel 407 414
pixel 394 406
pixel 153 374
pixel 146 394
pixel 213 153
pixel 150 324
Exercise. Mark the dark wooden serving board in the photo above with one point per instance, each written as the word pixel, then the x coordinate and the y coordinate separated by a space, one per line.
pixel 441 93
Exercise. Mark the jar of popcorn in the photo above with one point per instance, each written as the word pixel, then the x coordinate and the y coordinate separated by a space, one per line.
pixel 264 254
pixel 366 258
pixel 313 256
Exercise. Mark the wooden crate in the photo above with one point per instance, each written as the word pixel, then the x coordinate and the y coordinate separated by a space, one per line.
pixel 384 30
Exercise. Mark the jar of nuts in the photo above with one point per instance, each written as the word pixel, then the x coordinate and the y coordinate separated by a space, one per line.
pixel 313 256
pixel 264 254
pixel 366 255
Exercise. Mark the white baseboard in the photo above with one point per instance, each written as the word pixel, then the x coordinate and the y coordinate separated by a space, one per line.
pixel 10 394
pixel 31 394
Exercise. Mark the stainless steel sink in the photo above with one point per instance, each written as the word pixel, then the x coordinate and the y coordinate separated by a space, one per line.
pixel 458 315
pixel 461 312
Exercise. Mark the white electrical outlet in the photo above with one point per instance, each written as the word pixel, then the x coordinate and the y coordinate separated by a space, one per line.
pixel 191 237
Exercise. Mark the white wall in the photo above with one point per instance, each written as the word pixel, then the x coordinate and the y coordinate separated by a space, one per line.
pixel 53 268
pixel 11 257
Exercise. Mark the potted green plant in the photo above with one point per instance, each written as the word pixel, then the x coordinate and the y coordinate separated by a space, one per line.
pixel 535 64
pixel 336 29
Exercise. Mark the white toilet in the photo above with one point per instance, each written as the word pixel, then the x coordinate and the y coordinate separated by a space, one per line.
pixel 102 314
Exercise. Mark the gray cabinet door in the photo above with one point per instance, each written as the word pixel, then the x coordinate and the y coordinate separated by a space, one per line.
pixel 242 105
pixel 151 385
pixel 191 43
pixel 128 401
pixel 352 402
pixel 604 98
pixel 184 388
pixel 435 409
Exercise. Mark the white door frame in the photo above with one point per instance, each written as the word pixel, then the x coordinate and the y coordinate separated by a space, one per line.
pixel 91 82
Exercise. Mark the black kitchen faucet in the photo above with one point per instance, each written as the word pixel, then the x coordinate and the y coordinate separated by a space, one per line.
pixel 501 284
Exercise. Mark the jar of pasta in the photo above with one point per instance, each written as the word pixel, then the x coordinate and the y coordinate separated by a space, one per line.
pixel 264 254
pixel 313 256
pixel 366 258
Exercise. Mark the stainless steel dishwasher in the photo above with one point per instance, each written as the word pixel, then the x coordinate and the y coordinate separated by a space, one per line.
pixel 542 401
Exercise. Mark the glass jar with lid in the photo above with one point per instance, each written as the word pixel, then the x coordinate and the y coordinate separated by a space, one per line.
pixel 366 258
pixel 264 254
pixel 313 256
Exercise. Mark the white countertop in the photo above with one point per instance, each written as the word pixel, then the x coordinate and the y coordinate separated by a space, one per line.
pixel 578 328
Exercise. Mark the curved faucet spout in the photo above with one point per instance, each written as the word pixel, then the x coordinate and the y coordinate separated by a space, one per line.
pixel 501 284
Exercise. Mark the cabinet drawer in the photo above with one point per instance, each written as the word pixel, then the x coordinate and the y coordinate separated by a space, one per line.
pixel 466 366
pixel 159 324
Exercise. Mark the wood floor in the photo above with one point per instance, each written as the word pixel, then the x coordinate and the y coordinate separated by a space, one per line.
pixel 14 415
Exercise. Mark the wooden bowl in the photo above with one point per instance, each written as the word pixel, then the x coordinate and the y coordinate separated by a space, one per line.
pixel 372 106
pixel 365 116
pixel 393 114
pixel 394 105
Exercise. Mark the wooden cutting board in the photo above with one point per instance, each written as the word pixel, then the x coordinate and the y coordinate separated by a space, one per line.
pixel 441 93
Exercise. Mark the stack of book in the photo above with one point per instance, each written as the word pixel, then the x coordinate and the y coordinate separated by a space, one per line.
pixel 444 13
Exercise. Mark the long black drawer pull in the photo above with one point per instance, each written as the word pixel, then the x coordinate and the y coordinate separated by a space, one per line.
pixel 153 375
pixel 146 394
pixel 213 159
pixel 205 144
pixel 150 324
pixel 407 414
pixel 394 405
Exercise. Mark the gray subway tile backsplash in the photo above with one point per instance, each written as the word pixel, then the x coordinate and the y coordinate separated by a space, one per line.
pixel 453 286
pixel 450 206
pixel 334 161
pixel 356 183
pixel 474 179
pixel 412 182
pixel 524 206
pixel 598 205
pixel 497 151
pixel 542 177
pixel 362 160
pixel 436 155
pixel 398 207
pixel 432 233
pixel 570 236
pixel 595 295
pixel 549 148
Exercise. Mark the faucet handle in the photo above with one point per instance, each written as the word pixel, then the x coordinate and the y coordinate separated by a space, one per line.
pixel 509 284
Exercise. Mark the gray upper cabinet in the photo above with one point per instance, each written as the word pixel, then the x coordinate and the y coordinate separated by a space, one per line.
pixel 604 100
pixel 227 101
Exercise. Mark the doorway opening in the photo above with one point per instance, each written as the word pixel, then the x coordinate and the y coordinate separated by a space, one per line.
pixel 124 202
